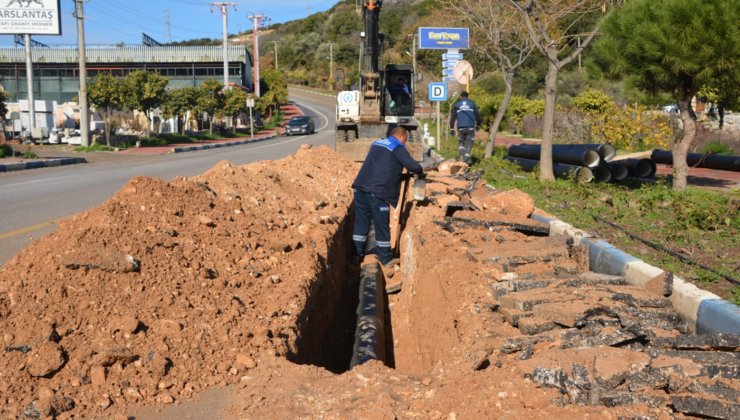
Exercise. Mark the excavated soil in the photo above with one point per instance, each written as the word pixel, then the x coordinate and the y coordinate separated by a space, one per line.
pixel 237 282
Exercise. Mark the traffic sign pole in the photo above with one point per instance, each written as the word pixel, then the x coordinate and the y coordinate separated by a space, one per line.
pixel 439 129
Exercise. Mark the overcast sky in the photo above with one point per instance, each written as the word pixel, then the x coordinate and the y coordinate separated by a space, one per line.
pixel 114 21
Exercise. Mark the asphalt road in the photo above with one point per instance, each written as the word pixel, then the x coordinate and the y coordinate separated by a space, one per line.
pixel 32 202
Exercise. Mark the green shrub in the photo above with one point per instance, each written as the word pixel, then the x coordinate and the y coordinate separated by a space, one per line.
pixel 594 101
pixel 97 147
pixel 29 154
pixel 717 149
pixel 6 150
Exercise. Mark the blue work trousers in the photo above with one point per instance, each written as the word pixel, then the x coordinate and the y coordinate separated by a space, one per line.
pixel 369 207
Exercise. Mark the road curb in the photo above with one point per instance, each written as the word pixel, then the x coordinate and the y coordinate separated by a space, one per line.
pixel 704 311
pixel 311 91
pixel 219 145
pixel 12 167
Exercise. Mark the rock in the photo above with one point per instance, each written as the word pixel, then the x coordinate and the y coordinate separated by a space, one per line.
pixel 167 399
pixel 570 315
pixel 535 325
pixel 104 401
pixel 706 407
pixel 245 360
pixel 98 375
pixel 611 370
pixel 45 392
pixel 169 328
pixel 721 342
pixel 625 399
pixel 132 394
pixel 452 167
pixel 45 359
pixel 206 221
pixel 653 378
pixel 7 337
pixel 513 316
pixel 126 325
pixel 513 201
pixel 661 285
pixel 111 356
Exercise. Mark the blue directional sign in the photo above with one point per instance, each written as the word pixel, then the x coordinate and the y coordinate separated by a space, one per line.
pixel 449 79
pixel 448 72
pixel 437 92
pixel 444 38
pixel 452 57
pixel 449 64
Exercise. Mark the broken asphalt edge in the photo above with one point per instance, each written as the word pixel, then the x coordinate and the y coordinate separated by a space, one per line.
pixel 219 145
pixel 704 311
pixel 11 167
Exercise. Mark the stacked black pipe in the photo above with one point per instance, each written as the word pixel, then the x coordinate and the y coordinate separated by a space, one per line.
pixel 700 160
pixel 586 161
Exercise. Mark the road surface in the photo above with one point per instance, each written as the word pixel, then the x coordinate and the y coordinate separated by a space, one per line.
pixel 33 202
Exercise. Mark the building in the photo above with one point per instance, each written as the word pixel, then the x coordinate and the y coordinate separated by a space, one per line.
pixel 56 70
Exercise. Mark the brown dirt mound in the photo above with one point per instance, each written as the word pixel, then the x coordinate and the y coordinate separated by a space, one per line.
pixel 169 287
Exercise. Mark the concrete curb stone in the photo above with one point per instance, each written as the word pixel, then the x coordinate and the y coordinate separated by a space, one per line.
pixel 704 311
pixel 219 145
pixel 11 167
pixel 311 91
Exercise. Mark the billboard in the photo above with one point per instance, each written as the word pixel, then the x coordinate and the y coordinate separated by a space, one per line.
pixel 32 17
pixel 444 38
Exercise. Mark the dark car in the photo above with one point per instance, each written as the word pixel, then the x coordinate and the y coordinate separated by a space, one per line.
pixel 300 125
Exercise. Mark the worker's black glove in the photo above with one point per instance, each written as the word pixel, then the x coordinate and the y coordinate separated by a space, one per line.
pixel 422 175
pixel 477 128
pixel 452 132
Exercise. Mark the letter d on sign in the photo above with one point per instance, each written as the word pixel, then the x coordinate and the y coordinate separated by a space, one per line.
pixel 437 91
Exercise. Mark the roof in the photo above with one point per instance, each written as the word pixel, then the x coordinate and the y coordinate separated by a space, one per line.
pixel 128 54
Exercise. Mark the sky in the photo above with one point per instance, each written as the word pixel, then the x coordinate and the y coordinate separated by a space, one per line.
pixel 115 21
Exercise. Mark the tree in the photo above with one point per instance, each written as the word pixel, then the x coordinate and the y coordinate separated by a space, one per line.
pixel 178 102
pixel 235 103
pixel 274 90
pixel 551 25
pixel 498 33
pixel 677 46
pixel 4 96
pixel 211 100
pixel 145 91
pixel 106 93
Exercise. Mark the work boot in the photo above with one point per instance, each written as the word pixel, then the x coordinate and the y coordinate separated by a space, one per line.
pixel 392 263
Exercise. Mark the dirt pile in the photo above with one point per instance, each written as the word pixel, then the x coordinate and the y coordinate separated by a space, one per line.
pixel 171 287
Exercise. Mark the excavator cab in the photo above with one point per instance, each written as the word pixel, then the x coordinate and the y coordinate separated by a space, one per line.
pixel 399 100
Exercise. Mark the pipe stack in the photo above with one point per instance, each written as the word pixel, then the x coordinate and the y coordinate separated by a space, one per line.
pixel 583 159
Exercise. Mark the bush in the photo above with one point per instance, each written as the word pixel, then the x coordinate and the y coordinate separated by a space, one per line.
pixel 571 126
pixel 631 128
pixel 96 147
pixel 594 101
pixel 717 149
pixel 6 150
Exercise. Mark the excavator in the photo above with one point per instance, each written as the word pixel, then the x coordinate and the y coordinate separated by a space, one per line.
pixel 385 99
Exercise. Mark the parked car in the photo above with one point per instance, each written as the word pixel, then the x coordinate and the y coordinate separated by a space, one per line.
pixel 671 109
pixel 300 125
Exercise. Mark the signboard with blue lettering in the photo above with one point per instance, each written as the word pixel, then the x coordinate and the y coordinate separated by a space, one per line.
pixel 448 72
pixel 444 38
pixel 449 79
pixel 452 56
pixel 437 92
pixel 449 64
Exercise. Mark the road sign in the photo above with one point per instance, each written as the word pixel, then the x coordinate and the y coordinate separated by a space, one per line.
pixel 437 92
pixel 463 72
pixel 449 64
pixel 448 72
pixel 452 56
pixel 444 38
pixel 250 103
pixel 449 79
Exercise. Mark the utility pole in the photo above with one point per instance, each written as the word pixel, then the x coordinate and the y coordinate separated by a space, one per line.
pixel 277 67
pixel 84 109
pixel 309 9
pixel 224 9
pixel 257 21
pixel 29 80
pixel 168 28
pixel 331 65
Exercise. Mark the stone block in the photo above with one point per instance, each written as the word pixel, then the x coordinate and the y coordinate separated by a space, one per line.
pixel 535 325
pixel 512 201
pixel 570 315
pixel 697 406
pixel 513 316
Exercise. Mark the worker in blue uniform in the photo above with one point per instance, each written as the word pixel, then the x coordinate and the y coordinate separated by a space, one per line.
pixel 377 189
pixel 468 119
